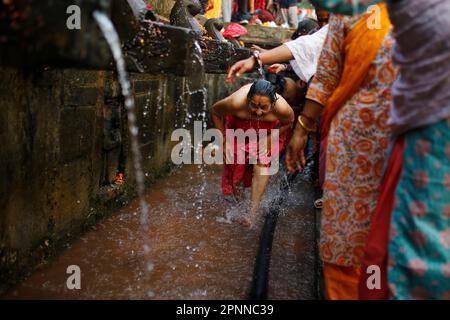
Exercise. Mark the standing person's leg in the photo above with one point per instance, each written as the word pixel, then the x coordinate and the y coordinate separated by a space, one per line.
pixel 293 16
pixel 242 6
pixel 284 13
pixel 226 10
pixel 204 4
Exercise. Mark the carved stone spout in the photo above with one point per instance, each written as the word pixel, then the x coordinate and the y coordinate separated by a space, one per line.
pixel 213 27
pixel 183 13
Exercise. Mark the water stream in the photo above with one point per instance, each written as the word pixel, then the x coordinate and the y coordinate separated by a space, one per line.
pixel 112 38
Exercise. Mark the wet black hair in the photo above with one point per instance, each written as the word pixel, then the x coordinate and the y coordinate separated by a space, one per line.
pixel 262 88
pixel 305 27
pixel 277 80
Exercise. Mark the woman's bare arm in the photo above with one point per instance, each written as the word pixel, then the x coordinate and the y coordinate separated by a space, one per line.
pixel 230 105
pixel 284 112
pixel 275 55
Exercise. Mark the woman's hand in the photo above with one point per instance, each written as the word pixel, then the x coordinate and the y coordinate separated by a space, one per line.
pixel 257 48
pixel 240 68
pixel 295 153
pixel 277 68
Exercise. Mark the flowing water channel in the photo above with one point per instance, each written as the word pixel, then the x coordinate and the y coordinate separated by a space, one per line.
pixel 197 253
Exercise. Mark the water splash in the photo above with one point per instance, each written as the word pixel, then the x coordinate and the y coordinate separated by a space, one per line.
pixel 112 38
pixel 261 72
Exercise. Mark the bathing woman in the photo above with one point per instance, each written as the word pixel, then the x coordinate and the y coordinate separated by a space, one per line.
pixel 254 106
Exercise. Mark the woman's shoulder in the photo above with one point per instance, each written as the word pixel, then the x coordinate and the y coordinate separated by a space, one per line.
pixel 281 102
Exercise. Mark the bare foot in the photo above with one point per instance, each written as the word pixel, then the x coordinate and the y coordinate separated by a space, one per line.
pixel 238 194
pixel 245 221
pixel 248 220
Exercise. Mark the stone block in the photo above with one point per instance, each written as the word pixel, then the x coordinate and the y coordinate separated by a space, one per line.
pixel 76 133
pixel 80 96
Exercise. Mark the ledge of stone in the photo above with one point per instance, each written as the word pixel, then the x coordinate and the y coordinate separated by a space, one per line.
pixel 267 37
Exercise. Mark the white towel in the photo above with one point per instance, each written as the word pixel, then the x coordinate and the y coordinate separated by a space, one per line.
pixel 306 51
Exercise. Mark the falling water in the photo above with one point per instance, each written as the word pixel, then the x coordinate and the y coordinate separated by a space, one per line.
pixel 112 38
pixel 196 85
pixel 261 72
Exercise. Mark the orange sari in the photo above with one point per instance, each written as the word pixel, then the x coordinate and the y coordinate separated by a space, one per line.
pixel 361 46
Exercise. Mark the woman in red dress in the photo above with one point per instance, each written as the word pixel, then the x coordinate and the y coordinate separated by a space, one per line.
pixel 254 107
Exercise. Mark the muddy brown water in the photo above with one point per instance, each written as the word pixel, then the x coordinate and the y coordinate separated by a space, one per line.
pixel 197 252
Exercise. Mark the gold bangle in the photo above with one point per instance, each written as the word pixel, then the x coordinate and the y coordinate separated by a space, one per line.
pixel 304 126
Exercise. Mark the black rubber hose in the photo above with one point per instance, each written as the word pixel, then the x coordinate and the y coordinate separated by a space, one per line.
pixel 262 263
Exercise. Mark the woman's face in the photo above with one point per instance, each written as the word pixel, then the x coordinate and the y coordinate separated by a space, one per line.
pixel 259 105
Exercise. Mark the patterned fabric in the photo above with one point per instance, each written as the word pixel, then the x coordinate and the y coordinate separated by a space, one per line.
pixel 375 253
pixel 357 142
pixel 422 53
pixel 419 248
pixel 361 46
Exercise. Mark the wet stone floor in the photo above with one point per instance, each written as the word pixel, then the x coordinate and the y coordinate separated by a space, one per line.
pixel 197 251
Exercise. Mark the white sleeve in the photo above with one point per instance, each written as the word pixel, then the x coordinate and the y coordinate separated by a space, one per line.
pixel 306 51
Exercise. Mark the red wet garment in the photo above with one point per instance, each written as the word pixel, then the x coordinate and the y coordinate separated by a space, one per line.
pixel 235 173
pixel 234 30
pixel 376 250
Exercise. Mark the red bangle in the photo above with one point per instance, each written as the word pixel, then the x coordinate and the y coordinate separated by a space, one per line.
pixel 307 117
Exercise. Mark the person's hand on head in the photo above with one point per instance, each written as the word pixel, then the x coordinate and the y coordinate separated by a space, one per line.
pixel 277 68
pixel 240 68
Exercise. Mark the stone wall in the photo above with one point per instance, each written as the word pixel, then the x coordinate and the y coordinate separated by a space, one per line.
pixel 63 138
